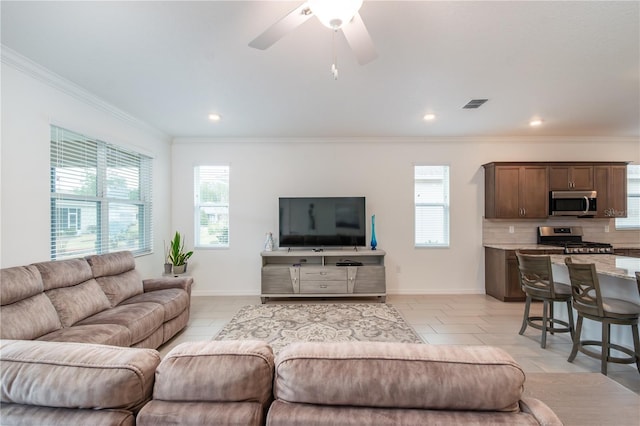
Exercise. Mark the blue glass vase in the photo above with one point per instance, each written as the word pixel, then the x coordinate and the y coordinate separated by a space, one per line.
pixel 374 242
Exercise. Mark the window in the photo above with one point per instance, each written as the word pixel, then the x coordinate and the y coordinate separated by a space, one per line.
pixel 100 197
pixel 431 206
pixel 632 221
pixel 211 200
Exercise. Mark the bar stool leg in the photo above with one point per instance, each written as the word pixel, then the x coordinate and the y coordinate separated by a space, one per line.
pixel 551 317
pixel 576 339
pixel 606 329
pixel 636 344
pixel 545 320
pixel 570 314
pixel 525 319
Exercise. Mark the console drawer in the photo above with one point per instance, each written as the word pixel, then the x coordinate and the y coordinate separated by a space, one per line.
pixel 323 287
pixel 323 274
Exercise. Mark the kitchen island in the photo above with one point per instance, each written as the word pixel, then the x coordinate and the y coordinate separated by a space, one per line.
pixel 616 275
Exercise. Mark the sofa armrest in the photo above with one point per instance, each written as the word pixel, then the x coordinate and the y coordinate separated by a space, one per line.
pixel 154 284
pixel 76 375
pixel 541 411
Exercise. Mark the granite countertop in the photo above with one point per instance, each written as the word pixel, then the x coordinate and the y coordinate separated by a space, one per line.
pixel 626 245
pixel 534 246
pixel 607 264
pixel 521 246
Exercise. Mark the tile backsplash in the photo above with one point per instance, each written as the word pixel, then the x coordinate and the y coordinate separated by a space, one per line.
pixel 497 231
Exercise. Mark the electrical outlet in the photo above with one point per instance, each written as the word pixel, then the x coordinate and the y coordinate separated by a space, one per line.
pixel 512 229
pixel 606 228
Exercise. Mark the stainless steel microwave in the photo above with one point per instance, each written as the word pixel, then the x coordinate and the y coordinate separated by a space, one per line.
pixel 572 203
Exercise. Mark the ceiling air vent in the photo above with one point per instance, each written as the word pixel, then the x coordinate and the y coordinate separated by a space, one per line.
pixel 474 103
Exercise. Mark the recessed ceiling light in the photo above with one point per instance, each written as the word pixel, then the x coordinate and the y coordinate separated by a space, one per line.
pixel 535 122
pixel 214 117
pixel 429 117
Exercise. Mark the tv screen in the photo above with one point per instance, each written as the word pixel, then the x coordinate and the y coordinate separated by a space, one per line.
pixel 318 222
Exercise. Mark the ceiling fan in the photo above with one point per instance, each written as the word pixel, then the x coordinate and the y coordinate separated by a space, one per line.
pixel 334 14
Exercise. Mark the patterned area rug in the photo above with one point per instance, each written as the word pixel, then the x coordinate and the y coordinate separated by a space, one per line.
pixel 283 324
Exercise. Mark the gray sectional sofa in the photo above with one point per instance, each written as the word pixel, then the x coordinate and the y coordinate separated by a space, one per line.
pixel 98 299
pixel 242 383
pixel 78 348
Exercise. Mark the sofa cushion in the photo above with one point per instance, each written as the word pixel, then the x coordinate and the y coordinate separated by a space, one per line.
pixel 78 302
pixel 173 300
pixel 142 319
pixel 18 283
pixel 29 318
pixel 288 414
pixel 165 413
pixel 101 334
pixel 26 312
pixel 374 374
pixel 219 371
pixel 64 273
pixel 18 414
pixel 116 263
pixel 76 375
pixel 121 287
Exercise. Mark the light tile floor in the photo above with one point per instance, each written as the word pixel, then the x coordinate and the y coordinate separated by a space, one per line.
pixel 439 319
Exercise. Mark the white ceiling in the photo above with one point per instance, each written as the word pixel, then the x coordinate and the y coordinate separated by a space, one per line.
pixel 575 64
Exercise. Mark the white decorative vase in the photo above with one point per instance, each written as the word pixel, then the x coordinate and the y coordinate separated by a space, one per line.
pixel 268 244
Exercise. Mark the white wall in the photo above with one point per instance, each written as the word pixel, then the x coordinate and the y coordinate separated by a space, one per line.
pixel 261 171
pixel 380 170
pixel 32 100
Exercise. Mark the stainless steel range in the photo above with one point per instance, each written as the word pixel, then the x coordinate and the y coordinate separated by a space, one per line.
pixel 570 237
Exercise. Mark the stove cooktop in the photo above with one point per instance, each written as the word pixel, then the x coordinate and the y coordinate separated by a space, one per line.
pixel 571 239
pixel 583 247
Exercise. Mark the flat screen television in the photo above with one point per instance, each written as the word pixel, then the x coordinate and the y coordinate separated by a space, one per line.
pixel 317 222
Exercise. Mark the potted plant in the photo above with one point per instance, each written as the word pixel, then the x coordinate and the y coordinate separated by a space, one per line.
pixel 168 266
pixel 177 255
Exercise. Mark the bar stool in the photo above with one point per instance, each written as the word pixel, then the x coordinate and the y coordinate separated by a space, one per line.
pixel 536 280
pixel 589 303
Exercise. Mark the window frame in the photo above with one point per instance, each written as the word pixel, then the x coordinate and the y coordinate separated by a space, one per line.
pixel 633 226
pixel 214 205
pixel 96 197
pixel 445 204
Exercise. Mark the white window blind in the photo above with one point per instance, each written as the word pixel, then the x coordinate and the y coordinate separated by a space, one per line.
pixel 431 197
pixel 632 221
pixel 100 197
pixel 211 201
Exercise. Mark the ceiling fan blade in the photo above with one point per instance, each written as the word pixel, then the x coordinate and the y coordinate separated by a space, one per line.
pixel 281 28
pixel 360 41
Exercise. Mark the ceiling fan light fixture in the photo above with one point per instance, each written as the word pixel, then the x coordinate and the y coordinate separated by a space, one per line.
pixel 334 13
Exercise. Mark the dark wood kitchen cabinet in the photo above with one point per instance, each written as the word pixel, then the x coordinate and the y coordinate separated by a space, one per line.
pixel 610 182
pixel 516 191
pixel 501 275
pixel 571 177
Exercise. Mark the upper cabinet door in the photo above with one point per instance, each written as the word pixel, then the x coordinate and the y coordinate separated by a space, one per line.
pixel 534 194
pixel 571 178
pixel 507 192
pixel 516 192
pixel 611 184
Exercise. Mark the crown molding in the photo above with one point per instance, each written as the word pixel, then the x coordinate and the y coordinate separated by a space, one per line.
pixel 36 71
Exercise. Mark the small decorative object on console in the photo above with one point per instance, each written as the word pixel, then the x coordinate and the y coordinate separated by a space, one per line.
pixel 374 242
pixel 268 244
